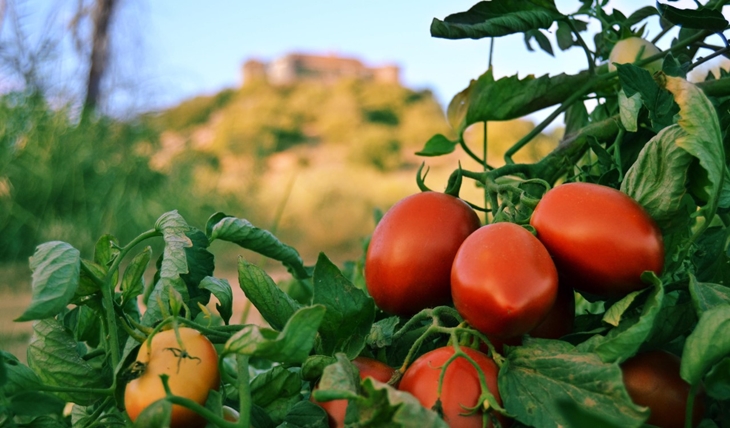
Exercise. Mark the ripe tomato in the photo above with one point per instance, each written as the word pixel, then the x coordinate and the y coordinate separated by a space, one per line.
pixel 192 369
pixel 368 367
pixel 460 389
pixel 408 262
pixel 601 240
pixel 652 380
pixel 503 281
pixel 627 50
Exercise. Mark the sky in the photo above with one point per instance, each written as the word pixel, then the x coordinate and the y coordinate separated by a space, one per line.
pixel 171 50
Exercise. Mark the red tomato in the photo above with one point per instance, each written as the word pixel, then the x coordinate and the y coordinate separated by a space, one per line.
pixel 192 369
pixel 368 367
pixel 652 380
pixel 408 262
pixel 461 388
pixel 601 239
pixel 503 281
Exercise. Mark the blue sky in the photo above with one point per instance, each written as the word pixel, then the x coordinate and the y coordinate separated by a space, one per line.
pixel 171 50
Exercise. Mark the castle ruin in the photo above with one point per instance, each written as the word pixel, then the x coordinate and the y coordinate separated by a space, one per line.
pixel 297 67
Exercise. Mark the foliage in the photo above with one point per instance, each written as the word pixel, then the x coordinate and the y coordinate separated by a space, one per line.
pixel 658 138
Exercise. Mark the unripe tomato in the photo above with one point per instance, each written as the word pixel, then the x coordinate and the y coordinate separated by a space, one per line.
pixel 627 50
pixel 368 367
pixel 503 280
pixel 408 262
pixel 600 239
pixel 461 388
pixel 192 367
pixel 230 414
pixel 652 380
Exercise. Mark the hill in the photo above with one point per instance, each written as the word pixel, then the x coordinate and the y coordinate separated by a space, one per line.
pixel 314 160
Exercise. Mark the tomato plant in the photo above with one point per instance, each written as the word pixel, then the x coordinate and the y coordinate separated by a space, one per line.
pixel 408 262
pixel 503 280
pixel 191 364
pixel 457 392
pixel 615 242
pixel 652 380
pixel 367 367
pixel 633 49
pixel 601 240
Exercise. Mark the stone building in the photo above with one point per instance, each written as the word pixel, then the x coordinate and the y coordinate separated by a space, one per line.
pixel 297 67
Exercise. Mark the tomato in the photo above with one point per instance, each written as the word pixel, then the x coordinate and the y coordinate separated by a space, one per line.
pixel 652 380
pixel 460 390
pixel 192 369
pixel 408 262
pixel 230 414
pixel 601 240
pixel 560 318
pixel 503 281
pixel 627 50
pixel 368 367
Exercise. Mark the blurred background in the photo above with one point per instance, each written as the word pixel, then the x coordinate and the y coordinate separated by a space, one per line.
pixel 300 117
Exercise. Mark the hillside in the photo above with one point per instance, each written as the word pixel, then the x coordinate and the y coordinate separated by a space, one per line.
pixel 314 160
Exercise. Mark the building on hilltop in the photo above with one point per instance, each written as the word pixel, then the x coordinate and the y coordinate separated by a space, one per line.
pixel 296 67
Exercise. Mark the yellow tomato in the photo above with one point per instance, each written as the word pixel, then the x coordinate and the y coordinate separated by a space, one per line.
pixel 192 367
pixel 630 50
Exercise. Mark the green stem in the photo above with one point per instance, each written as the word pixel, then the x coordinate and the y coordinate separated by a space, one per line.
pixel 70 389
pixel 194 406
pixel 591 62
pixel 244 391
pixel 690 407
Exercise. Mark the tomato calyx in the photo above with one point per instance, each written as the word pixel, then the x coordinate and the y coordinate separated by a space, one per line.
pixel 182 354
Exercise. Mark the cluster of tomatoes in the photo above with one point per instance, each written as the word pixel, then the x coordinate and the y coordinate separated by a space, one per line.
pixel 429 249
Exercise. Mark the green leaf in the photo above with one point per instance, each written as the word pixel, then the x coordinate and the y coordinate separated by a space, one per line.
pixel 629 108
pixel 625 340
pixel 708 343
pixel 576 416
pixel 314 365
pixel 55 267
pixel 33 403
pixel 200 265
pixel 221 289
pixel 275 306
pixel 510 97
pixel 676 318
pixel 659 102
pixel 133 278
pixel 381 332
pixel 564 36
pixel 615 312
pixel 18 377
pixel 657 179
pixel 438 145
pixel 717 381
pixel 305 414
pixel 350 311
pixel 576 117
pixel 706 296
pixel 497 18
pixel 243 233
pixel 173 229
pixel 541 40
pixel 703 137
pixel 157 414
pixel 710 257
pixel 54 357
pixel 538 377
pixel 381 405
pixel 340 380
pixel 292 345
pixel 700 19
pixel 276 391
pixel 106 250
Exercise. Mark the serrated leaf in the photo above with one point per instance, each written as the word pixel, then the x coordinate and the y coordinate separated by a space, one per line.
pixel 661 105
pixel 292 345
pixel 221 289
pixel 657 178
pixel 497 18
pixel 55 267
pixel 564 35
pixel 625 340
pixel 540 375
pixel 53 356
pixel 381 332
pixel 438 145
pixel 510 97
pixel 708 343
pixel 706 296
pixel 276 391
pixel 700 19
pixel 133 278
pixel 703 137
pixel 541 40
pixel 629 108
pixel 275 306
pixel 243 233
pixel 381 405
pixel 350 311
